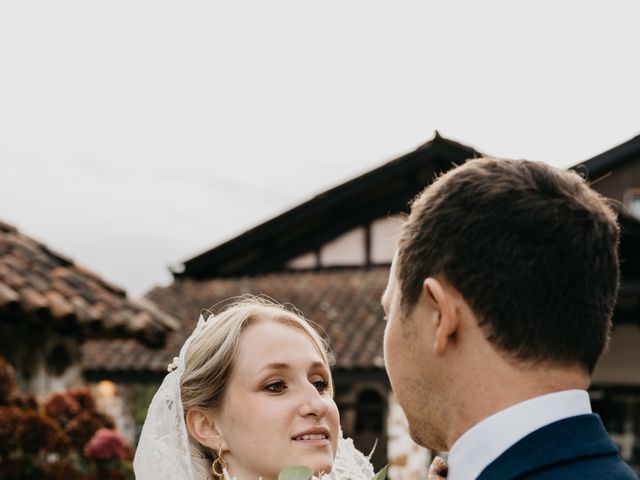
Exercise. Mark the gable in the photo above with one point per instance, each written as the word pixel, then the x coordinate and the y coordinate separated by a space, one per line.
pixel 306 230
pixel 621 184
pixel 616 172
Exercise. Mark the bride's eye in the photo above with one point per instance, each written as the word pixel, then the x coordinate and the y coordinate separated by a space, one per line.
pixel 277 387
pixel 321 385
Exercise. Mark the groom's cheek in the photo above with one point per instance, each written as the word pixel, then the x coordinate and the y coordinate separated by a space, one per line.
pixel 391 350
pixel 385 347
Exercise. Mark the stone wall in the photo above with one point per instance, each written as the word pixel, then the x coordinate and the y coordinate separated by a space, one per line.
pixel 116 400
pixel 407 460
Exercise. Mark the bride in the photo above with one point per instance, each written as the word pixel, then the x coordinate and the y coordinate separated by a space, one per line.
pixel 250 394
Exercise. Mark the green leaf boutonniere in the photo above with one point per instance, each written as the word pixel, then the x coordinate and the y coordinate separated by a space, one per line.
pixel 296 473
pixel 305 473
pixel 382 474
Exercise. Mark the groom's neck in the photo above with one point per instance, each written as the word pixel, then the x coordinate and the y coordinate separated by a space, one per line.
pixel 495 388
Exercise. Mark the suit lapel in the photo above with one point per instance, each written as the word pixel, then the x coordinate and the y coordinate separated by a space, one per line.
pixel 580 436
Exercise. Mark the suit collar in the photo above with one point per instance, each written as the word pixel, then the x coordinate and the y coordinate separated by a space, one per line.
pixel 571 438
pixel 487 440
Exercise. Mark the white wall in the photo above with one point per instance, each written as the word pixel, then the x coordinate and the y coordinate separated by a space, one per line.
pixel 303 262
pixel 347 249
pixel 117 401
pixel 407 460
pixel 384 237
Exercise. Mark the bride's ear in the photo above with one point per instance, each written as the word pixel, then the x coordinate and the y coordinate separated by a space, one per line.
pixel 205 430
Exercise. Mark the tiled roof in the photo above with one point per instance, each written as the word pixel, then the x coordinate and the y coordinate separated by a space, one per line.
pixel 40 284
pixel 345 304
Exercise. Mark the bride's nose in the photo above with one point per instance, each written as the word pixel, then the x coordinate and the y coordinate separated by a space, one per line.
pixel 312 403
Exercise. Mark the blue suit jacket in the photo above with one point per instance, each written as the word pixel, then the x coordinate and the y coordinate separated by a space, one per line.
pixel 575 448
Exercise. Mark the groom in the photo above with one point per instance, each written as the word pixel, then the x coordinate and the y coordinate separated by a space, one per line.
pixel 498 307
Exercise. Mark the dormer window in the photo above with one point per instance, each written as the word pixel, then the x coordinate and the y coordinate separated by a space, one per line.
pixel 631 200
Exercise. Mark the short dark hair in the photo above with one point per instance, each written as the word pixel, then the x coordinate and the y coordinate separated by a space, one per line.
pixel 533 250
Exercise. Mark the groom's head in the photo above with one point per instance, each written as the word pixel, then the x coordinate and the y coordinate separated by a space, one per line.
pixel 530 251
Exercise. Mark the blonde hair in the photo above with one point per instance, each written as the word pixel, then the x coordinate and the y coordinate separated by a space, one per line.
pixel 211 356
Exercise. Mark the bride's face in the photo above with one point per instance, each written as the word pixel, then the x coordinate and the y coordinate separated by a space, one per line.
pixel 278 409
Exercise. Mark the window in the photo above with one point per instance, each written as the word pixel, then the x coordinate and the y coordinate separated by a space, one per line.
pixel 631 200
pixel 620 413
pixel 370 412
pixel 370 420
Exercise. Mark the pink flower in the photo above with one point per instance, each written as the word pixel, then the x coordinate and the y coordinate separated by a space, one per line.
pixel 107 445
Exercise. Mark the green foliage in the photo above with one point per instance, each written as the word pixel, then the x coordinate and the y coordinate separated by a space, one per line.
pixel 304 473
pixel 382 474
pixel 142 396
pixel 295 473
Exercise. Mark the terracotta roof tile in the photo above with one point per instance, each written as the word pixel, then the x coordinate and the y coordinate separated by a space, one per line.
pixel 345 304
pixel 8 296
pixel 37 281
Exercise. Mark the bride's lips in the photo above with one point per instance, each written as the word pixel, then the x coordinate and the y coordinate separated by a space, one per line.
pixel 313 436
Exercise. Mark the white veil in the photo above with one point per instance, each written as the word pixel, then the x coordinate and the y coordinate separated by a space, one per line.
pixel 163 450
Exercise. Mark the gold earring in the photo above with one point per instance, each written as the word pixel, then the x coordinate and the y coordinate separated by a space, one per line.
pixel 219 466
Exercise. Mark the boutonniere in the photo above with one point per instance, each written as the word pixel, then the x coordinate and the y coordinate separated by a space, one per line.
pixel 305 473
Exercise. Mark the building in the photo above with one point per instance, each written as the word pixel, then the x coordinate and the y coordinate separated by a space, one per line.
pixel 49 306
pixel 615 390
pixel 330 257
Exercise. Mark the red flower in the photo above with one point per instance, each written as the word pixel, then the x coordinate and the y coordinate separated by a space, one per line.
pixel 9 419
pixel 81 428
pixel 83 396
pixel 61 406
pixel 107 445
pixel 37 432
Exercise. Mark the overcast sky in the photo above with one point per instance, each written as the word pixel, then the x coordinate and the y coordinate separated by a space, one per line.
pixel 135 135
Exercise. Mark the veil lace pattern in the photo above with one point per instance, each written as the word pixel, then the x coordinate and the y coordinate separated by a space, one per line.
pixel 163 451
pixel 350 463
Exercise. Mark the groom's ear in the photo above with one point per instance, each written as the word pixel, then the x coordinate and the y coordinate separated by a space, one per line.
pixel 443 300
pixel 202 425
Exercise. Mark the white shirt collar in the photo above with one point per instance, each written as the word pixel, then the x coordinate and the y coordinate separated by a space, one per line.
pixel 487 440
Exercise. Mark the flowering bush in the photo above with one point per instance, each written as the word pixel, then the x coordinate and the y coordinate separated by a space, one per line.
pixel 65 438
pixel 83 427
pixel 83 397
pixel 9 419
pixel 61 406
pixel 107 445
pixel 36 432
pixel 111 455
pixel 7 381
